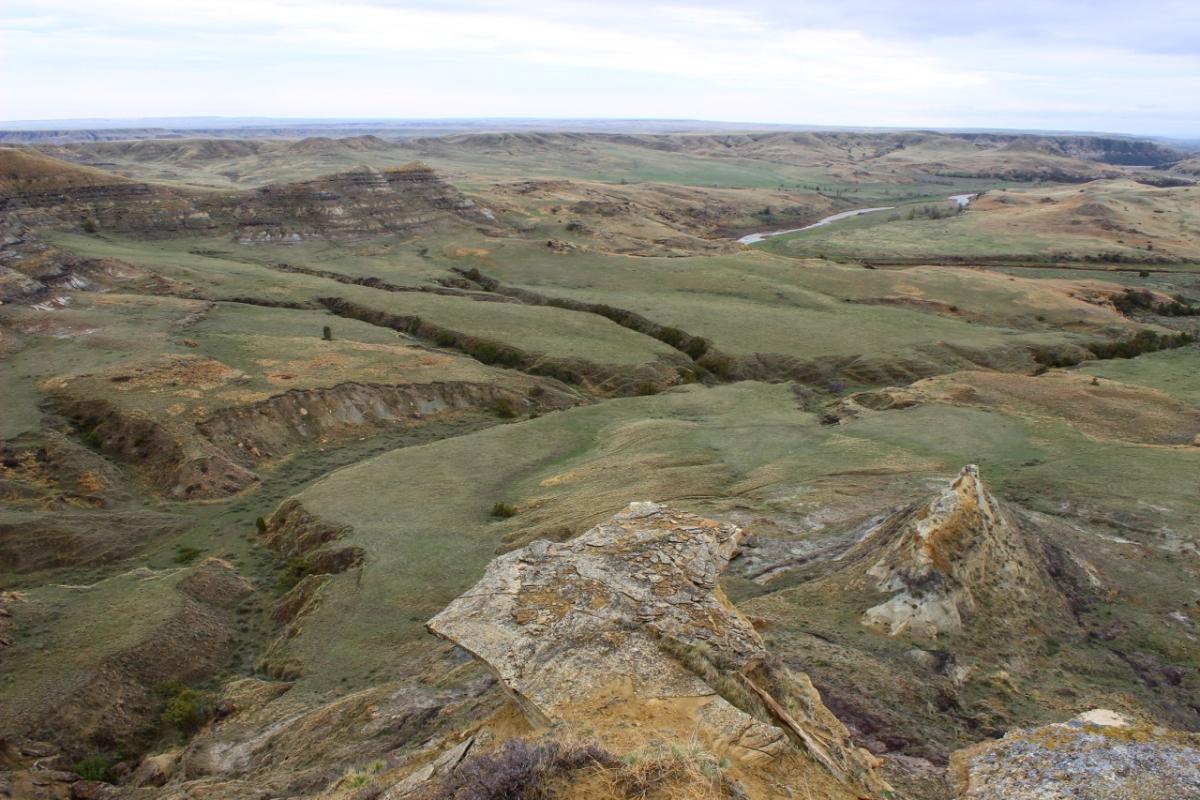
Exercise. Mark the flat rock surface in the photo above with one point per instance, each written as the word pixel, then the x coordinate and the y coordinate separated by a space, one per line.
pixel 560 622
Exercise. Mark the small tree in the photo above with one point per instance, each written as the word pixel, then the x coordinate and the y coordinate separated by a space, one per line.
pixel 327 334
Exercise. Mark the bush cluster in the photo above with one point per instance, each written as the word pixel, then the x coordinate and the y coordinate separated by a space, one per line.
pixel 502 510
pixel 1141 300
pixel 185 709
pixel 92 768
pixel 520 770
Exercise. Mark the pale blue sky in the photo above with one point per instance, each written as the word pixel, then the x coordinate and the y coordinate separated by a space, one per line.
pixel 1131 67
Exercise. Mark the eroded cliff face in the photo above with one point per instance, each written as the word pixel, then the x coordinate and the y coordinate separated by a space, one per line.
pixel 271 428
pixel 348 206
pixel 626 625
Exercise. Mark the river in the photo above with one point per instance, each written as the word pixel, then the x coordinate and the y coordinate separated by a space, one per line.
pixel 754 238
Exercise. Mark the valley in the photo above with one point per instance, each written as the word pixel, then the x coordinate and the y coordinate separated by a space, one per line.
pixel 639 465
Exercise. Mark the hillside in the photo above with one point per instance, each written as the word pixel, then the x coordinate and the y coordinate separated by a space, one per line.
pixel 494 465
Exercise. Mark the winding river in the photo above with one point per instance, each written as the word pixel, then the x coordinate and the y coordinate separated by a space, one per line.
pixel 753 238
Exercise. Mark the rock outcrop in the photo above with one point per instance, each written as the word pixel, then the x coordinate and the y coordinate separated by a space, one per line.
pixel 627 625
pixel 1099 755
pixel 347 206
pixel 938 558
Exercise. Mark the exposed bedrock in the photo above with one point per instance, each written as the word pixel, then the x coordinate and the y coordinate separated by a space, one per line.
pixel 632 608
pixel 941 560
pixel 1098 755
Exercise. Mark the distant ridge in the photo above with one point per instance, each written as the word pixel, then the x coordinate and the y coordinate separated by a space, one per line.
pixel 63 131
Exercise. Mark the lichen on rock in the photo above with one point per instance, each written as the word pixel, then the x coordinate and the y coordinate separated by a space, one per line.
pixel 1098 755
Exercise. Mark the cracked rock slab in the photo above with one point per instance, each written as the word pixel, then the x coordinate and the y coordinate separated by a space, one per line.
pixel 562 623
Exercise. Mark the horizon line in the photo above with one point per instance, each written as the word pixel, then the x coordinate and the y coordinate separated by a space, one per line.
pixel 203 122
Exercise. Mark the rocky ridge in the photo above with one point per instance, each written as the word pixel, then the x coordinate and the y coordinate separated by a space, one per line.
pixel 627 624
pixel 935 558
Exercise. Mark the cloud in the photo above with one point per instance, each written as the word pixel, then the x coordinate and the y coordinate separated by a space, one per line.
pixel 860 62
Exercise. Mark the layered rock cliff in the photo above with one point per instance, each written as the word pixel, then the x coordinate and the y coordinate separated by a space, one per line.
pixel 348 206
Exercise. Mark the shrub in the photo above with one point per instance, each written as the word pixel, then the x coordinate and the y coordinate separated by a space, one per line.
pixel 520 770
pixel 92 768
pixel 502 407
pixel 327 333
pixel 186 555
pixel 487 352
pixel 537 391
pixel 502 510
pixel 261 524
pixel 672 336
pixel 646 388
pixel 186 709
pixel 697 347
pixel 293 572
pixel 355 779
pixel 720 365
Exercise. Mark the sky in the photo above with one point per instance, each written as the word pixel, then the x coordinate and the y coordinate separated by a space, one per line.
pixel 1050 65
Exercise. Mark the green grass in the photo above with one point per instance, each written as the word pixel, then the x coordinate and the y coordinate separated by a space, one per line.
pixel 757 303
pixel 67 630
pixel 550 331
pixel 880 236
pixel 1176 372
pixel 701 449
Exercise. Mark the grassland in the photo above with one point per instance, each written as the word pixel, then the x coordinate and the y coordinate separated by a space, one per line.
pixel 1110 221
pixel 173 328
pixel 744 447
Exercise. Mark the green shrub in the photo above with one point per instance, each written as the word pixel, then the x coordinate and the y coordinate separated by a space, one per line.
pixel 293 573
pixel 186 709
pixel 355 779
pixel 261 524
pixel 487 352
pixel 697 347
pixel 186 555
pixel 92 768
pixel 502 407
pixel 327 333
pixel 672 336
pixel 502 510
